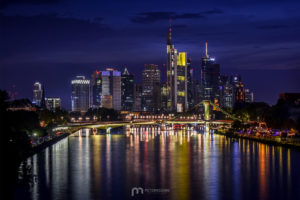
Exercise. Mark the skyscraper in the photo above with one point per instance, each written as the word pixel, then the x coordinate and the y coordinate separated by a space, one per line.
pixel 228 95
pixel 53 103
pixel 127 90
pixel 164 97
pixel 138 94
pixel 235 79
pixel 176 77
pixel 191 86
pixel 96 89
pixel 249 97
pixel 80 94
pixel 239 94
pixel 38 94
pixel 111 89
pixel 151 88
pixel 210 78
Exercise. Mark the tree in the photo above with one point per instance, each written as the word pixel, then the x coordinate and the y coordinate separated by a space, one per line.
pixel 104 114
pixel 237 125
pixel 253 111
pixel 15 144
pixel 46 117
pixel 3 100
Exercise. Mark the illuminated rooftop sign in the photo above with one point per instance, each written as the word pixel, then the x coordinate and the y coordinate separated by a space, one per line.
pixel 81 82
pixel 181 59
pixel 116 73
pixel 106 73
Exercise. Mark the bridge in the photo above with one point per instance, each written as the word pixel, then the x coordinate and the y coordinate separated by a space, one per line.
pixel 207 103
pixel 72 127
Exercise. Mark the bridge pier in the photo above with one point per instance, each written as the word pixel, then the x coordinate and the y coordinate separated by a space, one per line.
pixel 108 130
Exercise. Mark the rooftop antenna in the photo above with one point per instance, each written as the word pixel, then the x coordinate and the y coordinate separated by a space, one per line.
pixel 169 34
pixel 206 49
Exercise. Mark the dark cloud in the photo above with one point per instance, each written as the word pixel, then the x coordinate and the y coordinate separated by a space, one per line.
pixel 98 20
pixel 213 11
pixel 188 16
pixel 5 3
pixel 47 35
pixel 149 17
pixel 272 27
pixel 176 26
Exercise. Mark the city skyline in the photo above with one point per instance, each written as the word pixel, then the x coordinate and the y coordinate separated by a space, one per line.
pixel 150 99
pixel 110 88
pixel 66 97
pixel 138 38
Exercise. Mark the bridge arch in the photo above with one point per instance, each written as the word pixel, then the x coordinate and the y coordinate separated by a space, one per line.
pixel 207 103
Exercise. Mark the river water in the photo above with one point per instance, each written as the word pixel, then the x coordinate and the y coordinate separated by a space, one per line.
pixel 152 164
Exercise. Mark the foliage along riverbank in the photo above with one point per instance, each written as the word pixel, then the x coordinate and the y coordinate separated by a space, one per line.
pixel 270 140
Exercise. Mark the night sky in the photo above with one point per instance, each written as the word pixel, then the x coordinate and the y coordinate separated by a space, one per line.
pixel 52 41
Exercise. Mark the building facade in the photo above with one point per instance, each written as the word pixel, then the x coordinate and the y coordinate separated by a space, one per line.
pixel 192 93
pixel 228 95
pixel 138 94
pixel 151 88
pixel 96 89
pixel 164 97
pixel 210 78
pixel 239 94
pixel 80 94
pixel 111 86
pixel 249 96
pixel 38 94
pixel 176 77
pixel 53 103
pixel 127 90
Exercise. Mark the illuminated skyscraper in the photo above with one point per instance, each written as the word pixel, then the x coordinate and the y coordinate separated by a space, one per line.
pixel 249 97
pixel 151 88
pixel 38 94
pixel 111 89
pixel 53 103
pixel 80 94
pixel 228 95
pixel 96 89
pixel 176 77
pixel 210 78
pixel 164 97
pixel 239 94
pixel 127 90
pixel 192 83
pixel 235 79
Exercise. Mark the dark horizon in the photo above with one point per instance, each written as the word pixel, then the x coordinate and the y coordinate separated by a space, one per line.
pixel 54 41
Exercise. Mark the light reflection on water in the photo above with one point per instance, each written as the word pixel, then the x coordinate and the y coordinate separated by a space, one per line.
pixel 189 164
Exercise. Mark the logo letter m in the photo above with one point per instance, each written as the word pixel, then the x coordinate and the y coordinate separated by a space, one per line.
pixel 136 190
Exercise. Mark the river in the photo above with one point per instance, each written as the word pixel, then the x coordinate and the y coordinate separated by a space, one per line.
pixel 154 164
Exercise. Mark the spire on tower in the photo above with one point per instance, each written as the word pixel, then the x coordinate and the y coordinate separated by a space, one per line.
pixel 169 34
pixel 126 72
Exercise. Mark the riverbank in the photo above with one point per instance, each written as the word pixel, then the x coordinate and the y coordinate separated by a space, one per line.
pixel 40 147
pixel 273 140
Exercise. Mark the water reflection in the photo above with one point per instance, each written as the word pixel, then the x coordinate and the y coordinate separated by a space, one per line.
pixel 191 165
